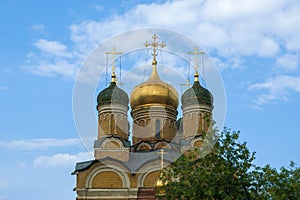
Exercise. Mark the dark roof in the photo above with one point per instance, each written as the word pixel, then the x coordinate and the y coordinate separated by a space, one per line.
pixel 80 166
pixel 112 95
pixel 136 160
pixel 197 95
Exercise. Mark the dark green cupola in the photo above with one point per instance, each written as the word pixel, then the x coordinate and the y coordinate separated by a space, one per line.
pixel 112 95
pixel 196 95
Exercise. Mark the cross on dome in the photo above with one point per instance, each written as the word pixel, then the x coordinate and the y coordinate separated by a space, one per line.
pixel 196 64
pixel 154 45
pixel 113 68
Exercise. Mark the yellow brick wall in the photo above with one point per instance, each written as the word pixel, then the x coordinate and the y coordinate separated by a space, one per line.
pixel 119 155
pixel 81 178
pixel 133 180
pixel 151 179
pixel 82 175
pixel 107 179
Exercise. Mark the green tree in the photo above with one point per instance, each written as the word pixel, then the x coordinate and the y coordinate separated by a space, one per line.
pixel 226 172
pixel 277 185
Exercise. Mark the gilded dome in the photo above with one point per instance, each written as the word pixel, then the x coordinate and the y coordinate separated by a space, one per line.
pixel 154 91
pixel 112 95
pixel 196 95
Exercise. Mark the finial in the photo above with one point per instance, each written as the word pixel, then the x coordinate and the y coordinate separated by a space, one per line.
pixel 196 77
pixel 113 77
pixel 113 67
pixel 196 64
pixel 154 45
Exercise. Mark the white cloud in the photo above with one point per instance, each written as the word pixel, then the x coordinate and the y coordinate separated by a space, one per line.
pixel 288 62
pixel 276 88
pixel 232 62
pixel 227 27
pixel 52 59
pixel 40 143
pixel 231 10
pixel 268 47
pixel 285 23
pixel 53 68
pixel 54 48
pixel 62 159
pixel 168 14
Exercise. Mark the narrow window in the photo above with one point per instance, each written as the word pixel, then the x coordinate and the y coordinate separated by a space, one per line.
pixel 157 129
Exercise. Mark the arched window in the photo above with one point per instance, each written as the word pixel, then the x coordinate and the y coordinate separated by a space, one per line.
pixel 157 129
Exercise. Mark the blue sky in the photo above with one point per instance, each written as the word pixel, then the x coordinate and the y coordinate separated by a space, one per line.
pixel 255 45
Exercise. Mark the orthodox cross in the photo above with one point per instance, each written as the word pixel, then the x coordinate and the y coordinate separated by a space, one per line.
pixel 155 44
pixel 161 153
pixel 196 53
pixel 113 68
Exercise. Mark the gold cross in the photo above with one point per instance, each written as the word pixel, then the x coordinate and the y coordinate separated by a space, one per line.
pixel 155 44
pixel 113 68
pixel 161 153
pixel 195 53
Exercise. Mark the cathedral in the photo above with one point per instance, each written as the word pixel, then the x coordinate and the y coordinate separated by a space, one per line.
pixel 128 157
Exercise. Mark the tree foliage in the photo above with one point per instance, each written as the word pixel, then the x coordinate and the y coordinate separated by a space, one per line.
pixel 226 172
pixel 277 185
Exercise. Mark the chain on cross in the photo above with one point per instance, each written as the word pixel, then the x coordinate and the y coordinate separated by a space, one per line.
pixel 113 68
pixel 196 53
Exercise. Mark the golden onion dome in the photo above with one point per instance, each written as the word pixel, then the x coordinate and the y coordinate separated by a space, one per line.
pixel 154 91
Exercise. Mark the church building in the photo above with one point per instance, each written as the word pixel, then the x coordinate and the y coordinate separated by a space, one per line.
pixel 128 157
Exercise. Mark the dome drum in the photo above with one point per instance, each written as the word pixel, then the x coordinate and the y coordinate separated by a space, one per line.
pixel 148 133
pixel 154 111
pixel 197 109
pixel 115 109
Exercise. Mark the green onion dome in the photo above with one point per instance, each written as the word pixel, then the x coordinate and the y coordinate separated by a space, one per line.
pixel 112 95
pixel 196 95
